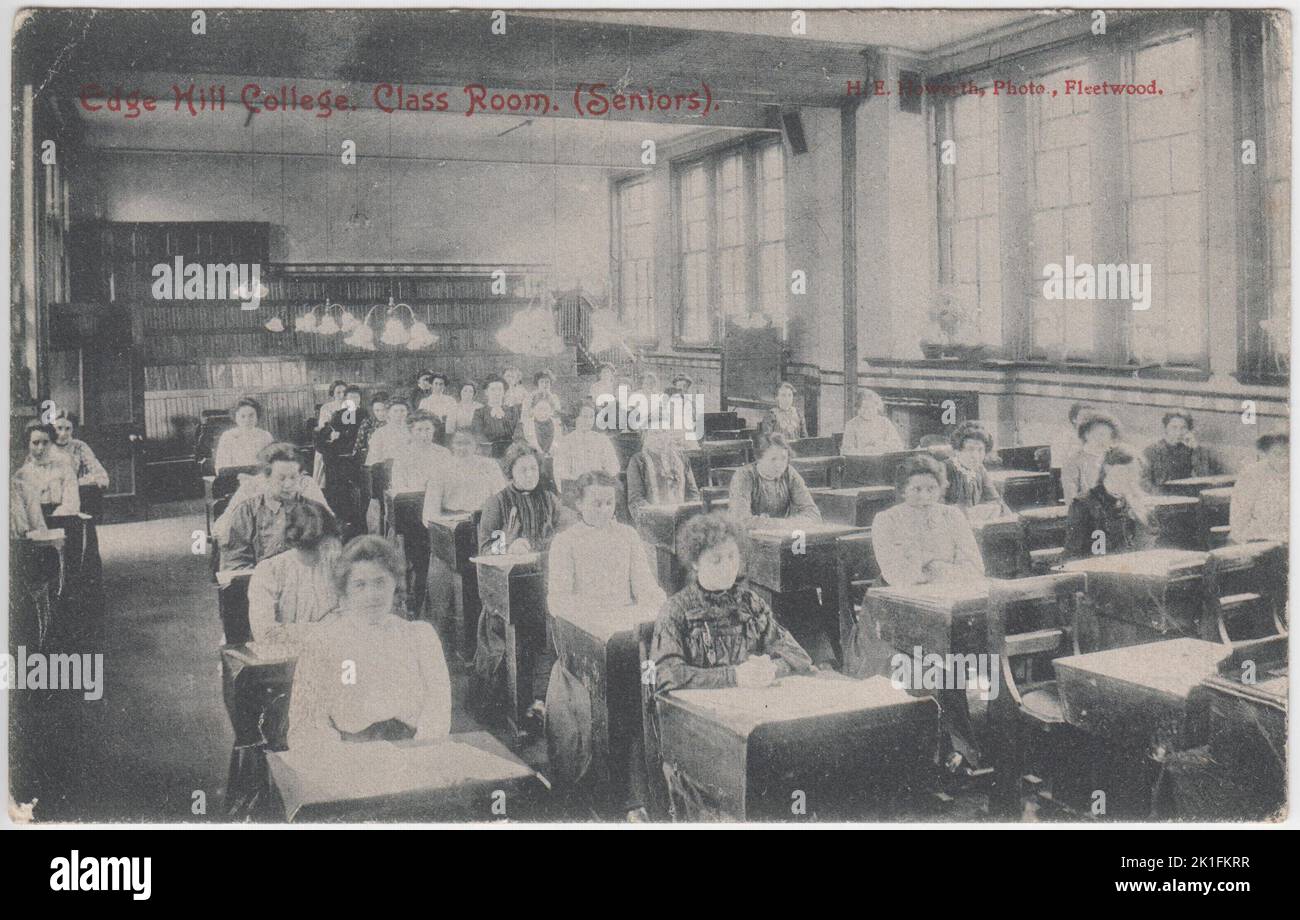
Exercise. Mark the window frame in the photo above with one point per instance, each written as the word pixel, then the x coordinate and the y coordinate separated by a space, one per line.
pixel 1111 345
pixel 618 261
pixel 749 149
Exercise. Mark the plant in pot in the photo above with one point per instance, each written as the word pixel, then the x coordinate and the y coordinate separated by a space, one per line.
pixel 957 324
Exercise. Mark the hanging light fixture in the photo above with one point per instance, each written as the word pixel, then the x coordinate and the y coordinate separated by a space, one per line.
pixel 531 331
pixel 325 323
pixel 274 324
pixel 395 331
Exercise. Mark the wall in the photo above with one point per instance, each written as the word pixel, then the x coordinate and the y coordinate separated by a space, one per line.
pixel 418 211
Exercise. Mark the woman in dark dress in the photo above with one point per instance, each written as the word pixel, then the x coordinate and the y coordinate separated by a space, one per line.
pixel 1111 517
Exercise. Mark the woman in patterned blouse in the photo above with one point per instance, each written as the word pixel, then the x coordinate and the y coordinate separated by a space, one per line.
pixel 785 418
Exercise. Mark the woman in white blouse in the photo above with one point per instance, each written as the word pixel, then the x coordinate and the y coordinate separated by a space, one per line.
pixel 463 415
pixel 239 446
pixel 296 586
pixel 369 675
pixel 921 540
pixel 45 483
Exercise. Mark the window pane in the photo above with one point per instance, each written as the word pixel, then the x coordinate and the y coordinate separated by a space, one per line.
pixel 635 257
pixel 1166 229
pixel 1062 214
pixel 976 265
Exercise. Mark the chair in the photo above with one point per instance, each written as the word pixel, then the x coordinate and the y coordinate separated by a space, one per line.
pixel 1212 517
pixel 1245 591
pixel 1032 621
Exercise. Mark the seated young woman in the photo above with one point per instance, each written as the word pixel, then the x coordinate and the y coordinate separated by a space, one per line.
pixel 296 586
pixel 658 474
pixel 1115 507
pixel 597 563
pixel 870 431
pixel 921 540
pixel 1098 433
pixel 416 464
pixel 542 430
pixel 716 632
pixel 238 446
pixel 495 422
pixel 468 480
pixel 390 436
pixel 46 479
pixel 463 412
pixel 524 516
pixel 400 687
pixel 1177 455
pixel 785 418
pixel 1260 508
pixel 89 471
pixel 769 488
pixel 255 527
pixel 969 486
pixel 584 449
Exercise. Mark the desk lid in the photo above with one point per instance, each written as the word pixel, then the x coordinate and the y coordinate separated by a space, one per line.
pixel 338 772
pixel 945 594
pixel 797 696
pixel 1173 667
pixel 507 561
pixel 1147 563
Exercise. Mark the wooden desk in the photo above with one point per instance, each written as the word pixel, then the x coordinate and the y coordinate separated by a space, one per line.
pixel 814 447
pixel 658 526
pixel 801 587
pixel 1130 710
pixel 875 469
pixel 1146 596
pixel 849 746
pixel 1138 696
pixel 1002 545
pixel 1024 457
pixel 1023 488
pixel 465 777
pixel 1044 526
pixel 1175 515
pixel 453 538
pixel 715 497
pixel 1213 517
pixel 823 471
pixel 255 687
pixel 600 648
pixel 513 587
pixel 1247 722
pixel 1195 485
pixel 856 506
pixel 941 618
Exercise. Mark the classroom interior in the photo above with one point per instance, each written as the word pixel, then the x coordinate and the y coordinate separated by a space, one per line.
pixel 825 224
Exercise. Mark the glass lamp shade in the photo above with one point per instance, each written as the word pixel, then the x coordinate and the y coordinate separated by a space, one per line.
pixel 274 324
pixel 305 323
pixel 347 321
pixel 361 337
pixel 328 326
pixel 421 337
pixel 394 332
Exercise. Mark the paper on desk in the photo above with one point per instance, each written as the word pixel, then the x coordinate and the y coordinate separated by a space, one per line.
pixel 451 521
pixel 797 697
pixel 338 772
pixel 1154 562
pixel 506 560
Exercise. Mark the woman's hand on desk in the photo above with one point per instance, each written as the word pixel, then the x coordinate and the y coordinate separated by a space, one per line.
pixel 759 671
